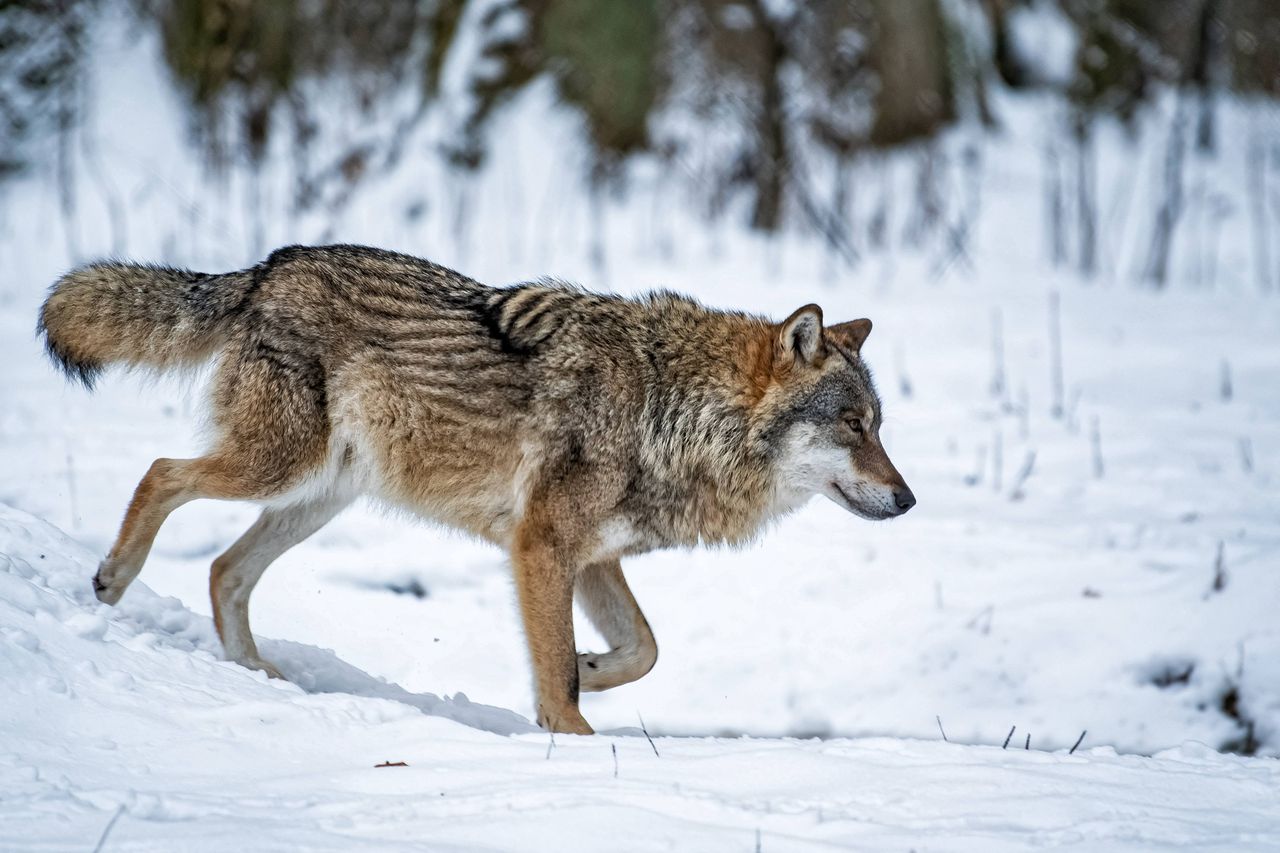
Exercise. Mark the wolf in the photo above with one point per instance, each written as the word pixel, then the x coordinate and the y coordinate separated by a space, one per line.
pixel 569 428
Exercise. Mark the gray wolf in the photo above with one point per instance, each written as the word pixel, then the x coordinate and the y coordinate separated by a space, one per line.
pixel 569 428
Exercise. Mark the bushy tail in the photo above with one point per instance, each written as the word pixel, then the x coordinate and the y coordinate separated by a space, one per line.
pixel 138 314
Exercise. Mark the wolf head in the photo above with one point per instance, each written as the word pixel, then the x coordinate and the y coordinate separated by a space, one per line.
pixel 821 418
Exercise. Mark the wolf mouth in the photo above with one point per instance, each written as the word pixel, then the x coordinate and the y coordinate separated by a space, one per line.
pixel 848 500
pixel 857 510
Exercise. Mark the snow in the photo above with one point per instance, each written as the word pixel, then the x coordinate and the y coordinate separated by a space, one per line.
pixel 130 711
pixel 1086 603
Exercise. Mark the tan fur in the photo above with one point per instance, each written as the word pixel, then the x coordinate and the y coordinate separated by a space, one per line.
pixel 568 428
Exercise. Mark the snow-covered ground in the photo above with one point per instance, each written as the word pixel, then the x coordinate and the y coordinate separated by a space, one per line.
pixel 129 716
pixel 1069 600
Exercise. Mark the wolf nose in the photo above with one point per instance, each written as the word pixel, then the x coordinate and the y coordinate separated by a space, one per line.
pixel 904 499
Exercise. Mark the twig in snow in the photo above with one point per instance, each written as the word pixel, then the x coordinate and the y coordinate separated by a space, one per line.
pixel 1055 355
pixel 551 744
pixel 1028 746
pixel 1231 705
pixel 646 734
pixel 1017 494
pixel 1225 388
pixel 938 717
pixel 614 747
pixel 758 848
pixel 982 621
pixel 106 830
pixel 1246 454
pixel 1079 741
pixel 1219 571
pixel 1008 738
pixel 391 764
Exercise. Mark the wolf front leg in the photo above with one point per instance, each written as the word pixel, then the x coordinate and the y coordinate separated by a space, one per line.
pixel 607 600
pixel 544 573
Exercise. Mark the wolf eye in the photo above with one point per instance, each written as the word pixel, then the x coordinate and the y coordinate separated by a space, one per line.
pixel 855 425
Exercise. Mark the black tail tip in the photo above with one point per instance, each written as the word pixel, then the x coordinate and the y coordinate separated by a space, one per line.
pixel 82 370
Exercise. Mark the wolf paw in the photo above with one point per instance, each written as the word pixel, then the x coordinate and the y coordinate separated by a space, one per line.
pixel 593 672
pixel 106 586
pixel 605 671
pixel 262 666
pixel 565 721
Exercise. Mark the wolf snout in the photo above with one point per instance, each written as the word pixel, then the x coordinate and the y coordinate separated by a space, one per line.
pixel 904 499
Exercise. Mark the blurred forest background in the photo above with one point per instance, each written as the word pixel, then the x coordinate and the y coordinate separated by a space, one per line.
pixel 792 94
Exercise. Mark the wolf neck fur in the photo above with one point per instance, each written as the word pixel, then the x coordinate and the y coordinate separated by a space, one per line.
pixel 703 427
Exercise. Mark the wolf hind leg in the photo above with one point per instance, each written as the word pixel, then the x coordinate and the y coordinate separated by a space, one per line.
pixel 274 433
pixel 612 609
pixel 236 572
pixel 167 485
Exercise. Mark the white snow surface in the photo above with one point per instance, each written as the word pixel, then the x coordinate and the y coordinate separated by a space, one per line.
pixel 127 714
pixel 804 682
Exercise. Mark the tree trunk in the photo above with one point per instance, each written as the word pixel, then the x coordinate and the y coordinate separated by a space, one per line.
pixel 769 163
pixel 909 54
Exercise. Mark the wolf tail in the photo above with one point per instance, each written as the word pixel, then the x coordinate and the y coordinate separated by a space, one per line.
pixel 140 315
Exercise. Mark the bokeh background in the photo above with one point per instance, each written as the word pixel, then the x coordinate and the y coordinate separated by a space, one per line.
pixel 762 112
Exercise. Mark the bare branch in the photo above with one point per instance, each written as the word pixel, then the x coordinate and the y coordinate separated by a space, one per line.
pixel 1027 467
pixel 646 734
pixel 106 830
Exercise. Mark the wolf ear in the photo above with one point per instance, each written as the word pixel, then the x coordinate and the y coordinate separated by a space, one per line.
pixel 801 335
pixel 852 334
